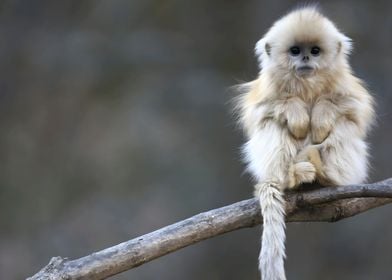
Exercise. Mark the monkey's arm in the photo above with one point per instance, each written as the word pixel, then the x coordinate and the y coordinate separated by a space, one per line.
pixel 272 124
pixel 344 151
pixel 324 115
pixel 355 106
pixel 293 113
pixel 359 110
pixel 289 113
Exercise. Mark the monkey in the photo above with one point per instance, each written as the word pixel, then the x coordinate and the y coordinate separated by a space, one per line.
pixel 305 117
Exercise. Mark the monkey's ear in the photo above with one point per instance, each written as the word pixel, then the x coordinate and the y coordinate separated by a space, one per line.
pixel 345 45
pixel 262 46
pixel 263 52
pixel 268 49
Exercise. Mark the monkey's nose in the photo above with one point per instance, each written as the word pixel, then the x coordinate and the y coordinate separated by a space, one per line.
pixel 305 58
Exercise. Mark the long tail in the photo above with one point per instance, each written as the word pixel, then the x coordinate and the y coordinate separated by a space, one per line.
pixel 272 254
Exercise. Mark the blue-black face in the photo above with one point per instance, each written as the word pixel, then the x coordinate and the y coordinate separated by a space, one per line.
pixel 304 58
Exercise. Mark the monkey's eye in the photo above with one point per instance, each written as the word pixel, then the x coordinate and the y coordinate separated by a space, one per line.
pixel 315 51
pixel 295 51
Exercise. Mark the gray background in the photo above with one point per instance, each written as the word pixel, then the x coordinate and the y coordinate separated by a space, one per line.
pixel 115 121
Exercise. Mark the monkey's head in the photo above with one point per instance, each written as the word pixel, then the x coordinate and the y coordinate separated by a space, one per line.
pixel 303 43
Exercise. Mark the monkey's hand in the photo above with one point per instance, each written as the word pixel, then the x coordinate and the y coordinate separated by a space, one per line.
pixel 307 167
pixel 324 116
pixel 300 172
pixel 294 114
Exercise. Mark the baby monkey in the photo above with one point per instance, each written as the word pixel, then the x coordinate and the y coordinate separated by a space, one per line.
pixel 305 117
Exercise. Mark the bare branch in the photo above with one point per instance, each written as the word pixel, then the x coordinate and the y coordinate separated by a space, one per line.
pixel 321 205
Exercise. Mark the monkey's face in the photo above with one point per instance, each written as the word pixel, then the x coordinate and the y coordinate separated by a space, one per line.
pixel 305 58
pixel 305 45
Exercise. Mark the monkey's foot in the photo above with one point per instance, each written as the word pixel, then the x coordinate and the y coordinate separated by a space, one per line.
pixel 301 172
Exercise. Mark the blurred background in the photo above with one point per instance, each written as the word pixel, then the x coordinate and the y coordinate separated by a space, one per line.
pixel 115 121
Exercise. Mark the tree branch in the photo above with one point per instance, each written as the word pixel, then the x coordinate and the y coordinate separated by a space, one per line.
pixel 321 205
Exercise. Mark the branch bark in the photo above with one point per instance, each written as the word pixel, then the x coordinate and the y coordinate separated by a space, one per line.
pixel 320 205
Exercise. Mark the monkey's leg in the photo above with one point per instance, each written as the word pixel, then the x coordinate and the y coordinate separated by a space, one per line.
pixel 344 155
pixel 270 154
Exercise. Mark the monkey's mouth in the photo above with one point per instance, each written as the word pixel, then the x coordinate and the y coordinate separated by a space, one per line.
pixel 305 70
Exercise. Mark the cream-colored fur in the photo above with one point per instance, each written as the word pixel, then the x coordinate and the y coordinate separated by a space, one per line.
pixel 301 128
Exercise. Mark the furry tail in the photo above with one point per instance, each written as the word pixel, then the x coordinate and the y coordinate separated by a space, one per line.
pixel 272 254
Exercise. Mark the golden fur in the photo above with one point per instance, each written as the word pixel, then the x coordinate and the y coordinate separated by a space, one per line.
pixel 302 128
